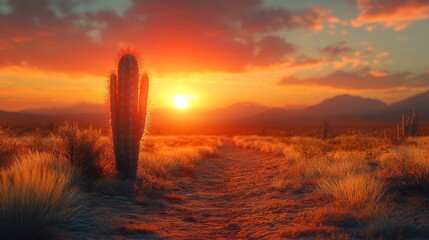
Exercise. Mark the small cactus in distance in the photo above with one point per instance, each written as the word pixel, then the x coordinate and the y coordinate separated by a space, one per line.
pixel 409 125
pixel 128 107
pixel 325 128
pixel 413 123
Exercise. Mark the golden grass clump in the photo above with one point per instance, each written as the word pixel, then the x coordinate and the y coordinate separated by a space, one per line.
pixel 166 160
pixel 82 148
pixel 9 148
pixel 406 168
pixel 37 196
pixel 359 192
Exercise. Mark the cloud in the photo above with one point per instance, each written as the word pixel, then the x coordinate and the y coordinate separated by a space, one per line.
pixel 171 35
pixel 363 79
pixel 336 49
pixel 304 61
pixel 378 73
pixel 395 14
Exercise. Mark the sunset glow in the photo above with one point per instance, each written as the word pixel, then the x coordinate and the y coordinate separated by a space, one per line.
pixel 181 102
pixel 274 52
pixel 214 119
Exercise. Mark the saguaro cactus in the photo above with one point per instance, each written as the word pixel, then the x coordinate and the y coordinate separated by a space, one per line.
pixel 325 128
pixel 128 107
pixel 409 125
pixel 413 123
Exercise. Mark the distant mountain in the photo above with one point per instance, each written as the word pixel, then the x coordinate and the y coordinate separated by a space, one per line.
pixel 340 109
pixel 294 107
pixel 80 108
pixel 345 104
pixel 420 102
pixel 18 118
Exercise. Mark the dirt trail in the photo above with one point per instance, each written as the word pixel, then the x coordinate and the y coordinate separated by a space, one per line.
pixel 230 197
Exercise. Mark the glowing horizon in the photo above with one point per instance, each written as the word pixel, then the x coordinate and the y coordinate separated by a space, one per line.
pixel 270 52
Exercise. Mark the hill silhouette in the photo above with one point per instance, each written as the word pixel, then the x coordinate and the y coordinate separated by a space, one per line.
pixel 341 108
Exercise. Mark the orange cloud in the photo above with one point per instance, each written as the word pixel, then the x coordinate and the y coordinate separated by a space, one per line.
pixel 362 80
pixel 378 73
pixel 383 54
pixel 397 14
pixel 172 35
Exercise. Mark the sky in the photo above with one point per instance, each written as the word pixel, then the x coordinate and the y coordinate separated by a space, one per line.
pixel 215 52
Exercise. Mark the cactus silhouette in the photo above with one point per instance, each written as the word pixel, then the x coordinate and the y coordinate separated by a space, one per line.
pixel 409 124
pixel 325 128
pixel 128 107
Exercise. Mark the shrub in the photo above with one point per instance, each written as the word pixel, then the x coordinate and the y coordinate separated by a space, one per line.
pixel 82 148
pixel 36 197
pixel 358 192
pixel 406 168
pixel 9 148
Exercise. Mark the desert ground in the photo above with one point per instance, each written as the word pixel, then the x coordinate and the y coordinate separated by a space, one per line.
pixel 62 185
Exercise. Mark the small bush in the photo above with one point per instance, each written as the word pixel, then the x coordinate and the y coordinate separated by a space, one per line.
pixel 358 192
pixel 406 169
pixel 36 197
pixel 9 148
pixel 82 148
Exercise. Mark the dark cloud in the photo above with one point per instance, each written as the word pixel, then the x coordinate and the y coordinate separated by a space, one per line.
pixel 172 35
pixel 361 80
pixel 336 49
pixel 304 61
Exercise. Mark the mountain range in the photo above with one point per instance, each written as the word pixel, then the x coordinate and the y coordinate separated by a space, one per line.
pixel 342 108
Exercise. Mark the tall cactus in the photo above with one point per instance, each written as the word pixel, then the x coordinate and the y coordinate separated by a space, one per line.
pixel 409 125
pixel 413 123
pixel 128 107
pixel 325 128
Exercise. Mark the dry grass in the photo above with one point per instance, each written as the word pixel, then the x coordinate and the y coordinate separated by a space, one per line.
pixel 406 168
pixel 355 192
pixel 9 148
pixel 164 160
pixel 354 182
pixel 37 196
pixel 82 148
pixel 357 178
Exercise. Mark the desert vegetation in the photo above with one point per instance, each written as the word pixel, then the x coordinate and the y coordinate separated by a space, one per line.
pixel 342 187
pixel 43 179
pixel 362 185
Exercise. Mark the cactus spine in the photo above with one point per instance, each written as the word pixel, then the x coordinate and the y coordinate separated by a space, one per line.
pixel 325 128
pixel 128 107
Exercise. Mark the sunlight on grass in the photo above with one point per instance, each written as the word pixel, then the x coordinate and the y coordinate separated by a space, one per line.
pixel 37 196
pixel 354 177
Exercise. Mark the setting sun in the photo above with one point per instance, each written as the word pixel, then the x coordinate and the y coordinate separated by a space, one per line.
pixel 181 101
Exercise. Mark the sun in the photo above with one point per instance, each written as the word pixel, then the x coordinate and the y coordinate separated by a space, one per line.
pixel 181 101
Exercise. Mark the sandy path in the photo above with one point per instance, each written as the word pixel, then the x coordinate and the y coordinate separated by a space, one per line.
pixel 230 197
pixel 225 199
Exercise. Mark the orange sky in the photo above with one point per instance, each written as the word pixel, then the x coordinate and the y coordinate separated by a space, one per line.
pixel 272 52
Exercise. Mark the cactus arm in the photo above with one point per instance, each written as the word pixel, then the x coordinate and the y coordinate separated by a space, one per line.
pixel 143 96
